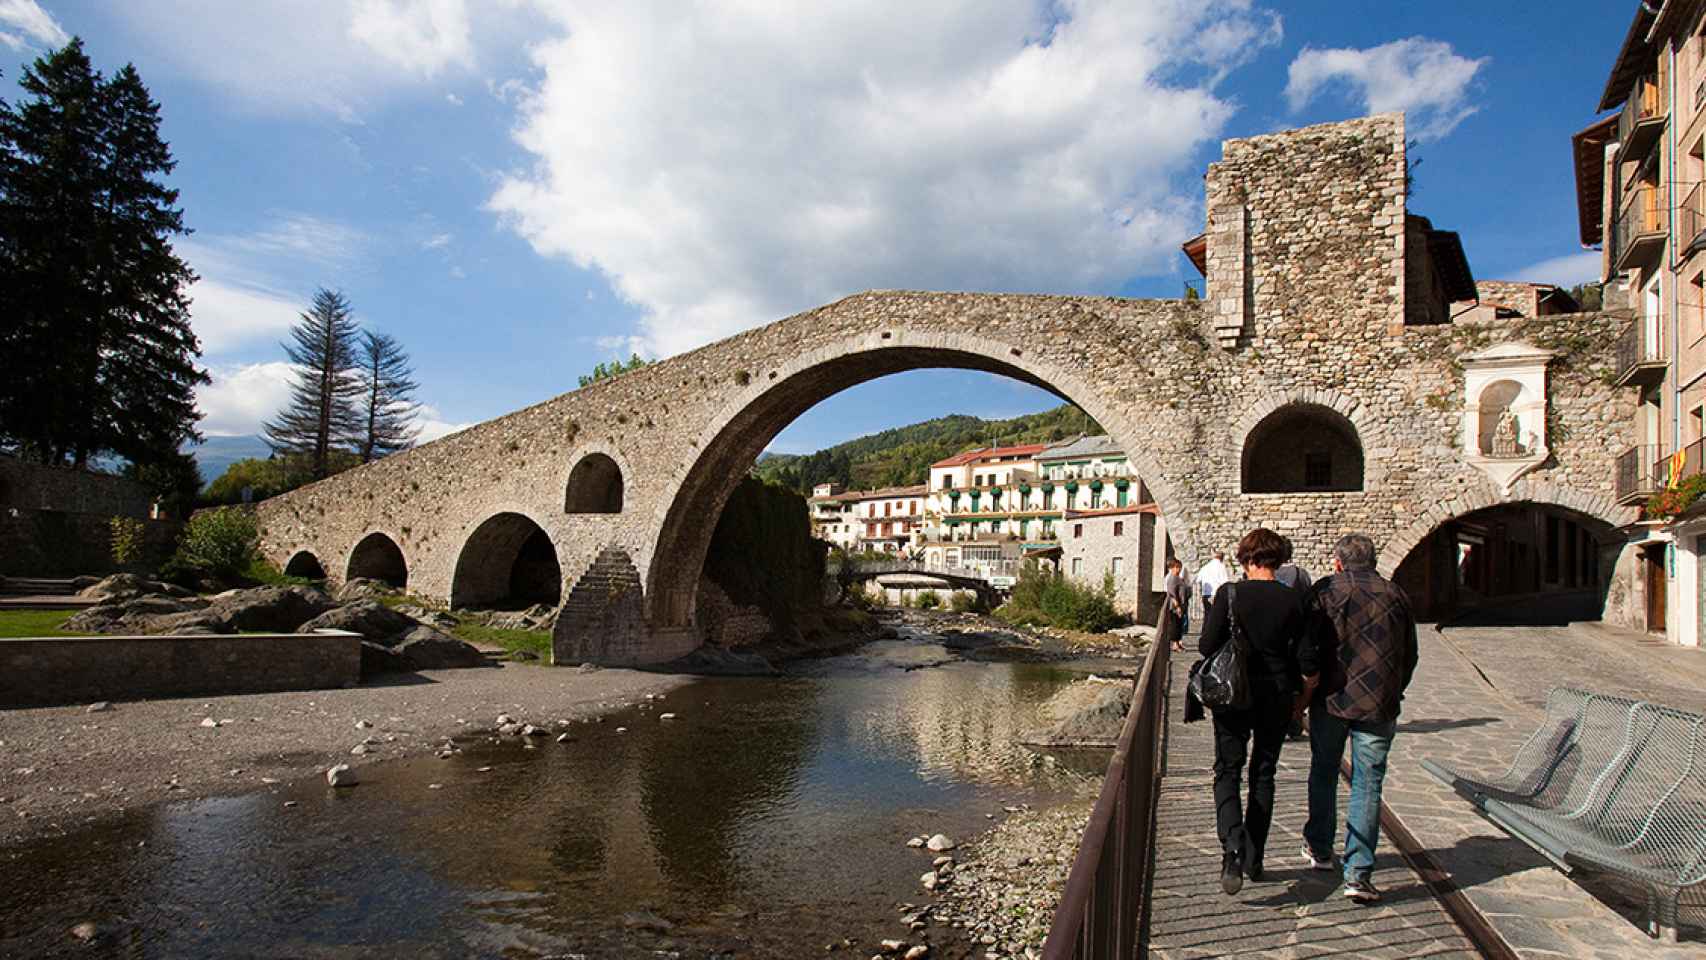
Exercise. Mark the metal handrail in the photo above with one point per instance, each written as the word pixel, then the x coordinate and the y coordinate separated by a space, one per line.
pixel 1636 473
pixel 1107 893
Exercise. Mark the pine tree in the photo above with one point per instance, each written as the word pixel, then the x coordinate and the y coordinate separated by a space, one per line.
pixel 388 409
pixel 322 413
pixel 100 355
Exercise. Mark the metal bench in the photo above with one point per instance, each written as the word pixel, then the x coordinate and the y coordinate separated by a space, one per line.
pixel 1635 810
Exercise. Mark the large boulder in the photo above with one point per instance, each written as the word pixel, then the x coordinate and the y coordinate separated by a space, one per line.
pixel 363 588
pixel 370 618
pixel 1088 713
pixel 425 648
pixel 267 609
pixel 376 658
pixel 125 586
pixel 135 614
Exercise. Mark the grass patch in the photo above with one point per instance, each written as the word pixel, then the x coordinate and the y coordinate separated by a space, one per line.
pixel 36 623
pixel 513 641
pixel 267 575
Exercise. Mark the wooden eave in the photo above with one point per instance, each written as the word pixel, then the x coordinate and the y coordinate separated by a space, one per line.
pixel 1588 149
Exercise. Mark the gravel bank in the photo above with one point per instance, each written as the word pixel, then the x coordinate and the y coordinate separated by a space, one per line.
pixel 62 767
pixel 1010 878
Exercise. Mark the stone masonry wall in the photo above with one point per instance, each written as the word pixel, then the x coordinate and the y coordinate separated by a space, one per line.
pixel 1324 209
pixel 35 486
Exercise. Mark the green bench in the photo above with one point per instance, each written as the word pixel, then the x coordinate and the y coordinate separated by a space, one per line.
pixel 1609 784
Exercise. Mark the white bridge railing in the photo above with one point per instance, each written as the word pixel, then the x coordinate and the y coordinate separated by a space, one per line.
pixel 882 567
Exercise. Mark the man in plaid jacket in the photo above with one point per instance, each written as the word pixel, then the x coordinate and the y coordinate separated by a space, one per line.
pixel 1364 656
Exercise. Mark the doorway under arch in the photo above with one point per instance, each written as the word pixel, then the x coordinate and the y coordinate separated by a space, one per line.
pixel 304 564
pixel 1531 562
pixel 377 557
pixel 508 562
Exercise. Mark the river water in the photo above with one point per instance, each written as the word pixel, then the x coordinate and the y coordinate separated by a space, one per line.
pixel 768 820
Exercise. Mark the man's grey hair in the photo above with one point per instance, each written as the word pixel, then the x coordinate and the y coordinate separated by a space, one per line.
pixel 1355 552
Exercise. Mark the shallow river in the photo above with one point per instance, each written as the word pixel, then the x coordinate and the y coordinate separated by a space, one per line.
pixel 769 820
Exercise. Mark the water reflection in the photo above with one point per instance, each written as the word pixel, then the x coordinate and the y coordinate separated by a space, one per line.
pixel 769 818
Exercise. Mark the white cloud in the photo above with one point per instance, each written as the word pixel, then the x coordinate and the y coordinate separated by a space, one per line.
pixel 239 300
pixel 1421 77
pixel 437 241
pixel 335 56
pixel 1564 271
pixel 241 398
pixel 453 99
pixel 726 166
pixel 421 36
pixel 434 426
pixel 24 24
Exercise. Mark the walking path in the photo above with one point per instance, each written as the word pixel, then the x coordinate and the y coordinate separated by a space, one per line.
pixel 1294 912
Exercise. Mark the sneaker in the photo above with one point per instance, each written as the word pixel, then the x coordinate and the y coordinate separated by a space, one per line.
pixel 1362 891
pixel 1315 863
pixel 1231 874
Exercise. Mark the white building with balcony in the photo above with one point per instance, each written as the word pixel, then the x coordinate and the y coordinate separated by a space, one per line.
pixel 887 520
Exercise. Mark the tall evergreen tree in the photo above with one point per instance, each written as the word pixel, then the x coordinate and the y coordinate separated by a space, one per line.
pixel 322 413
pixel 100 355
pixel 388 409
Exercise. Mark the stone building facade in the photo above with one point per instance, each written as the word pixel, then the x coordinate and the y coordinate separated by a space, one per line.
pixel 1308 325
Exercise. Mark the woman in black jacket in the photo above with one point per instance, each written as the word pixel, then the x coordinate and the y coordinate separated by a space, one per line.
pixel 1271 617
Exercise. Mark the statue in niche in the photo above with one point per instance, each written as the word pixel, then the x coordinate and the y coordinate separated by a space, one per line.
pixel 1506 442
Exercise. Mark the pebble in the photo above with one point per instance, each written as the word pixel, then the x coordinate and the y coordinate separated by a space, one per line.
pixel 290 803
pixel 532 731
pixel 100 706
pixel 361 750
pixel 621 729
pixel 930 880
pixel 666 716
pixel 916 842
pixel 85 931
pixel 341 776
pixel 504 719
pixel 435 786
pixel 893 946
pixel 918 952
pixel 484 770
pixel 940 842
pixel 564 738
pixel 209 722
pixel 363 725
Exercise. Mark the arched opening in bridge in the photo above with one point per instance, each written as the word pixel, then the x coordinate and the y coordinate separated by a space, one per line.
pixel 1523 563
pixel 304 564
pixel 508 563
pixel 377 557
pixel 1303 448
pixel 1077 494
pixel 595 486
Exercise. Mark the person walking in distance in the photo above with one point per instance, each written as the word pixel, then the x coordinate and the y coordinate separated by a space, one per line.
pixel 1176 594
pixel 1210 578
pixel 1360 659
pixel 1273 621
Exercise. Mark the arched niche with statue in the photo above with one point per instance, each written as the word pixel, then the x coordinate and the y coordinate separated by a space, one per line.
pixel 1504 411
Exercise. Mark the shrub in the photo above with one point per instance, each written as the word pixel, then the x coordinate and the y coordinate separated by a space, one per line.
pixel 966 602
pixel 1047 598
pixel 127 539
pixel 1674 500
pixel 218 543
pixel 929 600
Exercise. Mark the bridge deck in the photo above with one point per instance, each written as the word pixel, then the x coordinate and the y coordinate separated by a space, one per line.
pixel 1293 912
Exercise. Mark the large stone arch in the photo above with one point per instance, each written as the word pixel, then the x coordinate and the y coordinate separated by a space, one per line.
pixel 772 398
pixel 1372 435
pixel 1597 506
pixel 508 559
pixel 377 556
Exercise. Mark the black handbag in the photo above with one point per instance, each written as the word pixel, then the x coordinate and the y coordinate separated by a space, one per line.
pixel 1222 681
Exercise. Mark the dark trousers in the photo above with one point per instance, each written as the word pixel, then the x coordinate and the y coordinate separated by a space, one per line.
pixel 1243 828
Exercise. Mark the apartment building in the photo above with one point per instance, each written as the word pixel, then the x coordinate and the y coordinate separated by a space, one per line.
pixel 1639 195
pixel 886 520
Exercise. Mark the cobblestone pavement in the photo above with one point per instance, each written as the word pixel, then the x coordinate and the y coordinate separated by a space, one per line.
pixel 1476 696
pixel 1293 912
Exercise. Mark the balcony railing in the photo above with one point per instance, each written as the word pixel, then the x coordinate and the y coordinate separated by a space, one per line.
pixel 1639 233
pixel 1639 361
pixel 1637 476
pixel 1642 118
pixel 1691 220
pixel 1684 465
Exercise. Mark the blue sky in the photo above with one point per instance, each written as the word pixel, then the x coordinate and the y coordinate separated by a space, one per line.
pixel 519 189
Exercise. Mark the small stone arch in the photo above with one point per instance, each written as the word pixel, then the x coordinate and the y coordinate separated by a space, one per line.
pixel 1598 506
pixel 509 561
pixel 377 557
pixel 595 485
pixel 303 563
pixel 1302 447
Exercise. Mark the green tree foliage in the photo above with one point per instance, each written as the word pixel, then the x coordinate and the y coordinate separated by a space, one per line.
pixel 100 358
pixel 1591 296
pixel 387 408
pixel 127 540
pixel 218 543
pixel 1043 597
pixel 902 456
pixel 605 371
pixel 321 415
pixel 269 477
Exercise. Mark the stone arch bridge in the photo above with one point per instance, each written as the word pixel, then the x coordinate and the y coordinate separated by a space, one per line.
pixel 1326 316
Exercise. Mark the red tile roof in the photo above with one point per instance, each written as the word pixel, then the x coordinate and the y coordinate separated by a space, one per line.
pixel 883 494
pixel 989 453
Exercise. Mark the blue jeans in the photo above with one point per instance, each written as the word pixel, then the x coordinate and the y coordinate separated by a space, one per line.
pixel 1370 743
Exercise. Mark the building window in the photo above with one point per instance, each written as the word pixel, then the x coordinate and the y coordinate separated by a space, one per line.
pixel 1077 532
pixel 1119 528
pixel 1116 566
pixel 1077 566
